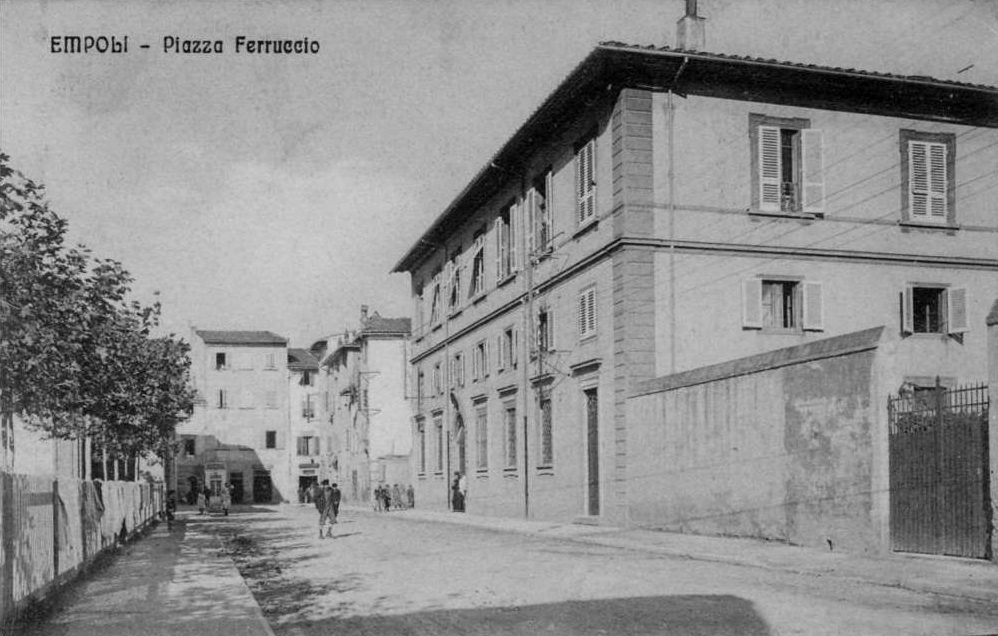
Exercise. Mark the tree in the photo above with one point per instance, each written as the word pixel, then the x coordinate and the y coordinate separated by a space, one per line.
pixel 76 357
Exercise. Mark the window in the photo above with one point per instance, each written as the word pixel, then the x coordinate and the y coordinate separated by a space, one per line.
pixel 438 384
pixel 417 310
pixel 270 361
pixel 480 360
pixel 545 425
pixel 223 399
pixel 308 446
pixel 189 446
pixel 306 378
pixel 219 361
pixel 585 182
pixel 934 309
pixel 587 313
pixel 507 342
pixel 545 329
pixel 927 179
pixel 270 439
pixel 506 240
pixel 307 410
pixel 420 384
pixel 482 435
pixel 454 284
pixel 787 164
pixel 438 426
pixel 435 299
pixel 782 305
pixel 477 284
pixel 509 423
pixel 457 369
pixel 539 216
pixel 421 445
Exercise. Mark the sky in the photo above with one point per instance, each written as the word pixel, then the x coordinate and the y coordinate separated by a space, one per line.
pixel 276 192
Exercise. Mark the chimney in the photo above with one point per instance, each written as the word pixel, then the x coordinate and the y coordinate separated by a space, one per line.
pixel 690 34
pixel 363 314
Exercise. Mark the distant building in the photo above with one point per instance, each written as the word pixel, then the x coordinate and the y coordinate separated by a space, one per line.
pixel 365 388
pixel 240 429
pixel 310 429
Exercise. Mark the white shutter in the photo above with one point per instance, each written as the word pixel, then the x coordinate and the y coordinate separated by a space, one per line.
pixel 513 237
pixel 515 349
pixel 551 341
pixel 586 181
pixel 752 303
pixel 497 230
pixel 956 310
pixel 937 182
pixel 813 170
pixel 592 310
pixel 918 180
pixel 531 221
pixel 582 314
pixel 501 357
pixel 770 168
pixel 548 213
pixel 908 310
pixel 814 308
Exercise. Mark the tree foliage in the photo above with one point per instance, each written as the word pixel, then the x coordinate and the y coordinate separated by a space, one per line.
pixel 77 357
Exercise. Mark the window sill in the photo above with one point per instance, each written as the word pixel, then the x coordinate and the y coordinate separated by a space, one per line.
pixel 511 473
pixel 800 216
pixel 478 298
pixel 545 471
pixel 482 473
pixel 436 327
pixel 455 313
pixel 587 226
pixel 505 280
pixel 587 338
pixel 907 225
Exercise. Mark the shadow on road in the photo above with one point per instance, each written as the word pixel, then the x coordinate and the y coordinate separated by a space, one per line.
pixel 691 615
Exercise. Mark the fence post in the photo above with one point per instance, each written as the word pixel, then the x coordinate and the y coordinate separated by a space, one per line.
pixel 7 545
pixel 55 529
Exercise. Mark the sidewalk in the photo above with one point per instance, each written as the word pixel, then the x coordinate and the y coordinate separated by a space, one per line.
pixel 168 582
pixel 949 576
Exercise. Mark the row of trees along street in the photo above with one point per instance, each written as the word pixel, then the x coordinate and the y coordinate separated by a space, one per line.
pixel 78 357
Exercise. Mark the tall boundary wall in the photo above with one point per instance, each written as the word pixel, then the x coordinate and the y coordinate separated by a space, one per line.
pixel 783 445
pixel 51 529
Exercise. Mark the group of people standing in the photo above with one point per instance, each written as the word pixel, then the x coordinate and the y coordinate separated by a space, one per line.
pixel 215 500
pixel 393 497
pixel 326 498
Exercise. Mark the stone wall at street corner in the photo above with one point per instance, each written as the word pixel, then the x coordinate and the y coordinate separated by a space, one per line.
pixel 51 528
pixel 776 446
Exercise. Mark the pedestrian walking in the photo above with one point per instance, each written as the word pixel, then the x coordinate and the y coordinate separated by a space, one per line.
pixel 377 499
pixel 457 499
pixel 397 497
pixel 202 502
pixel 226 499
pixel 387 496
pixel 410 496
pixel 323 498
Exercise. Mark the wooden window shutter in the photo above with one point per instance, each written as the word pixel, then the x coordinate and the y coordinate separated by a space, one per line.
pixel 515 348
pixel 551 340
pixel 497 230
pixel 586 180
pixel 918 179
pixel 548 213
pixel 813 318
pixel 592 310
pixel 513 237
pixel 956 310
pixel 908 310
pixel 501 354
pixel 937 181
pixel 770 168
pixel 813 170
pixel 532 221
pixel 752 303
pixel 582 314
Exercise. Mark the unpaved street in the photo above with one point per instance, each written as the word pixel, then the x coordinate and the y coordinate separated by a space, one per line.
pixel 386 574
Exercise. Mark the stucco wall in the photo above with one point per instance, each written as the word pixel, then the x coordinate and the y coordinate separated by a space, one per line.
pixel 782 453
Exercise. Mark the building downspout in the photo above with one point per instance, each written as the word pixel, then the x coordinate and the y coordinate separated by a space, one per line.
pixel 670 123
pixel 528 305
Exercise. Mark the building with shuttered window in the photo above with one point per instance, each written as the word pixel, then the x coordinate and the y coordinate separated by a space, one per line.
pixel 667 209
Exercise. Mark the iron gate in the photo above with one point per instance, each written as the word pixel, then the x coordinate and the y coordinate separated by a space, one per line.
pixel 939 471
